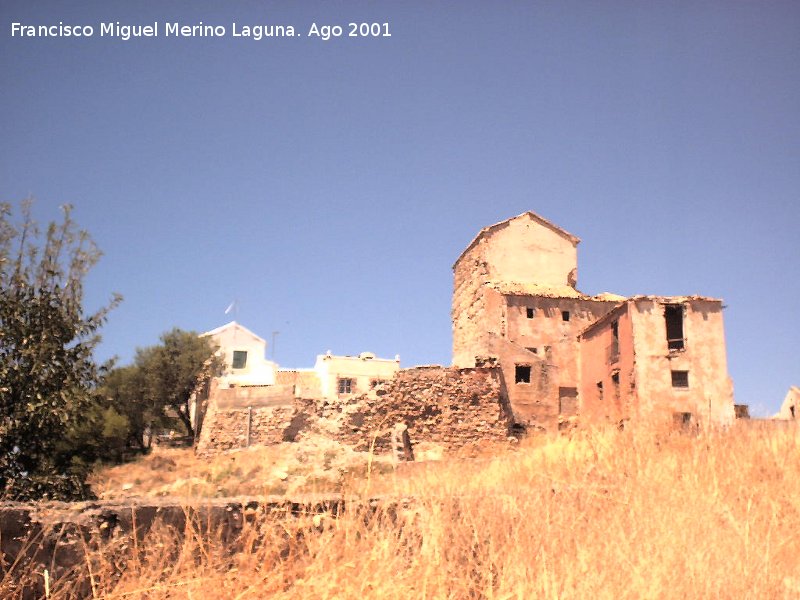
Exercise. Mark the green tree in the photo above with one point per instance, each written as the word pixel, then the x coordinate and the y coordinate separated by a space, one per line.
pixel 48 375
pixel 156 390
pixel 174 369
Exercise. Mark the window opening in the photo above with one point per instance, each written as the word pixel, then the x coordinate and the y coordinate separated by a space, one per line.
pixel 522 374
pixel 600 390
pixel 346 386
pixel 565 315
pixel 239 359
pixel 529 312
pixel 613 348
pixel 534 350
pixel 680 379
pixel 673 315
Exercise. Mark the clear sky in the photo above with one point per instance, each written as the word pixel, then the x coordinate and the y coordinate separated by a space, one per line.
pixel 328 186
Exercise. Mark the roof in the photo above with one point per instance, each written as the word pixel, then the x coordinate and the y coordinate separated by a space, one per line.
pixel 624 302
pixel 541 220
pixel 548 291
pixel 232 325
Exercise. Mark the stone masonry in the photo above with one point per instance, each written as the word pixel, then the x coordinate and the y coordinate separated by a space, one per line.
pixel 450 407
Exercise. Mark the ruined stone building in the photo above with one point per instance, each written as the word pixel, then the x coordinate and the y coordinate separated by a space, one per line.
pixel 790 408
pixel 530 352
pixel 562 353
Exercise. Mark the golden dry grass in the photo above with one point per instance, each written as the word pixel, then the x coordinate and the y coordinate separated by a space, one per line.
pixel 598 514
pixel 317 465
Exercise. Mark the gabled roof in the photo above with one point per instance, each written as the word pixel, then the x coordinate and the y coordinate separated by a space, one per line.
pixel 541 220
pixel 232 325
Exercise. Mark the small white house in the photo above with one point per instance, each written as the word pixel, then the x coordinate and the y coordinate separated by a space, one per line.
pixel 244 355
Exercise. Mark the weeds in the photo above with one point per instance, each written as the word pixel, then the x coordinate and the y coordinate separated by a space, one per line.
pixel 598 514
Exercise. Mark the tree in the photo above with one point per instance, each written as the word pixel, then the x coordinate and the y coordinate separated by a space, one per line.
pixel 124 389
pixel 48 375
pixel 174 369
pixel 157 388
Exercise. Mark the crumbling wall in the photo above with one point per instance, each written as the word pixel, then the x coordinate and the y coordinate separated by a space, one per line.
pixel 448 406
pixel 230 427
pixel 468 311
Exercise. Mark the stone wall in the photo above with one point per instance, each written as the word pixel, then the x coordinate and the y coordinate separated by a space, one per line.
pixel 450 407
pixel 228 428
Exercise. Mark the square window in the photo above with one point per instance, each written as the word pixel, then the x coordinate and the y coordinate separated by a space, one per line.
pixel 522 374
pixel 565 315
pixel 530 312
pixel 346 386
pixel 239 359
pixel 680 379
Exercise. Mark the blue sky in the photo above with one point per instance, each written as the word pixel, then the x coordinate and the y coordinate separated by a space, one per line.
pixel 329 186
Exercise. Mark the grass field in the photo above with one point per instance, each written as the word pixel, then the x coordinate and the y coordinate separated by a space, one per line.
pixel 596 514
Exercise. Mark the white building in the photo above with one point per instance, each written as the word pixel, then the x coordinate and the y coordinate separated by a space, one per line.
pixel 244 355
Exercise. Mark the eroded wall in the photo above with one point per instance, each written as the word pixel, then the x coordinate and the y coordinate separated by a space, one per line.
pixel 522 249
pixel 445 405
pixel 607 361
pixel 709 394
pixel 468 311
pixel 790 409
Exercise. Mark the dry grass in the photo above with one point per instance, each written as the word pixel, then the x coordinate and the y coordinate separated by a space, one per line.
pixel 317 465
pixel 600 514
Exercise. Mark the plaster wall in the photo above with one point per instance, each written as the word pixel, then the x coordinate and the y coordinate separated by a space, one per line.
pixel 601 359
pixel 548 333
pixel 257 370
pixel 362 370
pixel 709 395
pixel 522 249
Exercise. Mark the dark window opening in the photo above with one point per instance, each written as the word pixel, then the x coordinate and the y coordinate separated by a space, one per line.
pixel 346 386
pixel 791 410
pixel 682 419
pixel 522 374
pixel 613 348
pixel 673 315
pixel 239 359
pixel 599 390
pixel 529 312
pixel 565 315
pixel 680 379
pixel 534 350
